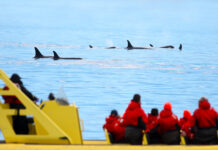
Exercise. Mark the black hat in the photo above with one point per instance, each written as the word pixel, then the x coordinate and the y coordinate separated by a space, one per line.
pixel 15 78
pixel 114 113
pixel 154 111
pixel 137 98
pixel 51 96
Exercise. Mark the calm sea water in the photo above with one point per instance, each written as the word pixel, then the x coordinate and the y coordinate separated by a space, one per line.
pixel 107 79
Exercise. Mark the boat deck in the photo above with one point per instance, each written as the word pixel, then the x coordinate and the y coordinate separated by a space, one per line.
pixel 101 145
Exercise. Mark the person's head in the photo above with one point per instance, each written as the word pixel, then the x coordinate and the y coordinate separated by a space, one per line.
pixel 51 96
pixel 203 103
pixel 154 112
pixel 114 113
pixel 137 98
pixel 16 78
pixel 186 114
pixel 202 99
pixel 168 106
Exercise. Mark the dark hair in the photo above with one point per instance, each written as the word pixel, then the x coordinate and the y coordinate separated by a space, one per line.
pixel 136 98
pixel 16 78
pixel 154 111
pixel 51 96
pixel 114 112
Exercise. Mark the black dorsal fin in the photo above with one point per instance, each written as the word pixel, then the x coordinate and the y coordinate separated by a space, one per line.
pixel 129 44
pixel 55 56
pixel 180 47
pixel 37 53
pixel 90 46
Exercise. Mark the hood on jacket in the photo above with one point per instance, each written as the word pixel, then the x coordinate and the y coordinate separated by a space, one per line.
pixel 186 114
pixel 167 106
pixel 204 104
pixel 133 105
pixel 111 119
pixel 165 113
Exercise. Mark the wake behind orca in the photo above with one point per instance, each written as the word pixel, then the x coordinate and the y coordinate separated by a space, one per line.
pixel 38 54
pixel 56 57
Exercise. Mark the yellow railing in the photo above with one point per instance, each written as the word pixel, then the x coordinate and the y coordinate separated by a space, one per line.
pixel 53 124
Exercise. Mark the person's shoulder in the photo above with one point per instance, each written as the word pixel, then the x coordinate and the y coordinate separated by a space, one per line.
pixel 174 116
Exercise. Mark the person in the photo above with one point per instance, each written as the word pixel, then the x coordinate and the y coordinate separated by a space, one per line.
pixel 206 122
pixel 168 126
pixel 135 121
pixel 51 97
pixel 13 100
pixel 20 123
pixel 115 129
pixel 186 124
pixel 153 135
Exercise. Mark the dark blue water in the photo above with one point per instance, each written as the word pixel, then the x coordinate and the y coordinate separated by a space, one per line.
pixel 107 79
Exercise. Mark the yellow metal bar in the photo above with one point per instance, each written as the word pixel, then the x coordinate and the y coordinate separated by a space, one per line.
pixel 100 145
pixel 53 130
pixel 144 141
pixel 182 142
pixel 107 137
pixel 5 92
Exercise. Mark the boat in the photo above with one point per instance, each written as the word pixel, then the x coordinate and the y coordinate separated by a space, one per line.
pixel 51 127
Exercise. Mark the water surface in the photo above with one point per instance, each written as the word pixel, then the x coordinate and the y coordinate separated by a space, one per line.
pixel 107 79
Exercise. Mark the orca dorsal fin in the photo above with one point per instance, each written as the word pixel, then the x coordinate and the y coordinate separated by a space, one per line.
pixel 129 44
pixel 90 46
pixel 37 53
pixel 180 47
pixel 151 45
pixel 55 56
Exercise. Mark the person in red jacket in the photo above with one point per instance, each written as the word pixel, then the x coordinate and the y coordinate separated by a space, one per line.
pixel 205 123
pixel 135 121
pixel 13 100
pixel 186 124
pixel 114 127
pixel 168 125
pixel 153 135
pixel 20 123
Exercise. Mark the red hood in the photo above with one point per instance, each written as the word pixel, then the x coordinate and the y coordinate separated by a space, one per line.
pixel 204 105
pixel 187 114
pixel 165 113
pixel 111 119
pixel 133 105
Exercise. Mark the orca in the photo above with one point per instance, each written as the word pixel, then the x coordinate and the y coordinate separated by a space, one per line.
pixel 180 47
pixel 151 45
pixel 38 54
pixel 112 47
pixel 130 47
pixel 56 57
pixel 167 46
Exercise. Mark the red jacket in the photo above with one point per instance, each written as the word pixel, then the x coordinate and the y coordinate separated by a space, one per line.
pixel 10 98
pixel 110 123
pixel 186 124
pixel 132 113
pixel 167 121
pixel 114 126
pixel 152 122
pixel 205 115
